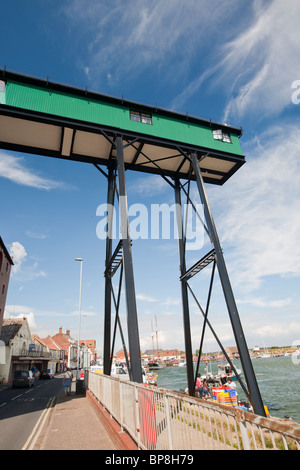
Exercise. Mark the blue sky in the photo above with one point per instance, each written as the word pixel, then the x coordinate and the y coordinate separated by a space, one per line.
pixel 232 61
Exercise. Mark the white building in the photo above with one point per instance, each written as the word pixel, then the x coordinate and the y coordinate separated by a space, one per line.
pixel 19 352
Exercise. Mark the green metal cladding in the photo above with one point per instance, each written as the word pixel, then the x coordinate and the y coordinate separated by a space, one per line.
pixel 103 112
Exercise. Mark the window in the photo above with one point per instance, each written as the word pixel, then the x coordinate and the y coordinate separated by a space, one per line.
pixel 226 138
pixel 141 117
pixel 220 135
pixel 135 116
pixel 146 118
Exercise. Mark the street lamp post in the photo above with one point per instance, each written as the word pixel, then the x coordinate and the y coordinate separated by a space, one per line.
pixel 85 344
pixel 79 315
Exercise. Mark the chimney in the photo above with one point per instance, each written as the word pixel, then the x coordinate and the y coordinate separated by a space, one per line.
pixel 68 332
pixel 60 330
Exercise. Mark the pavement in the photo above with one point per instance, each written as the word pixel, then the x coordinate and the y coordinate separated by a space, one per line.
pixel 79 422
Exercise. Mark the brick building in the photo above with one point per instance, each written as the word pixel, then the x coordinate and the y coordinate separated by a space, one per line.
pixel 69 345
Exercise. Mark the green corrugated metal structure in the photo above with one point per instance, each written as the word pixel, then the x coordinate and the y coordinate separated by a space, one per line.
pixel 96 111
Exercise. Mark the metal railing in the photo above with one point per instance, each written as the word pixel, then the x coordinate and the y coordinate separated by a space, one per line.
pixel 158 419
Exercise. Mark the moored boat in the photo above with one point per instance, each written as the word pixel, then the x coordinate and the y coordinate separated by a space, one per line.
pixel 155 365
pixel 226 371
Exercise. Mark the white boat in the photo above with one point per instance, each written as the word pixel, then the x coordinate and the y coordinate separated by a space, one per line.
pixel 181 364
pixel 265 354
pixel 209 376
pixel 155 365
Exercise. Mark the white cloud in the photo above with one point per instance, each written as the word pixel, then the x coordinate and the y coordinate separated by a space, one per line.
pixel 38 236
pixel 17 310
pixel 21 272
pixel 171 301
pixel 146 185
pixel 266 303
pixel 145 298
pixel 121 41
pixel 18 253
pixel 21 311
pixel 258 66
pixel 278 331
pixel 261 62
pixel 13 169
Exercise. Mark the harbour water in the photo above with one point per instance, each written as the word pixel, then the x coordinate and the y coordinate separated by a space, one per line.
pixel 278 380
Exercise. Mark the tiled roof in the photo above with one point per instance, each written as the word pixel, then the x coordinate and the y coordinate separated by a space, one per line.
pixel 62 340
pixel 51 344
pixel 10 328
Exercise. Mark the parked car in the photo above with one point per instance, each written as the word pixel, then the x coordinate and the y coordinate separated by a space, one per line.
pixel 47 374
pixel 23 378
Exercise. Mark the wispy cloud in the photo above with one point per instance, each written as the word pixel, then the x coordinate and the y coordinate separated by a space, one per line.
pixel 276 329
pixel 257 67
pixel 266 303
pixel 14 169
pixel 38 236
pixel 145 298
pixel 261 62
pixel 147 184
pixel 171 302
pixel 122 41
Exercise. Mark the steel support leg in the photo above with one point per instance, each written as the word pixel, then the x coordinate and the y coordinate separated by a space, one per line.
pixel 254 392
pixel 108 286
pixel 132 321
pixel 184 293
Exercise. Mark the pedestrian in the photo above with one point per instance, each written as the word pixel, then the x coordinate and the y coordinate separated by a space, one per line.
pixel 223 379
pixel 67 381
pixel 199 388
pixel 206 390
pixel 230 384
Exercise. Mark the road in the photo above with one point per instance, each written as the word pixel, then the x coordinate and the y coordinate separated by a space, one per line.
pixel 23 412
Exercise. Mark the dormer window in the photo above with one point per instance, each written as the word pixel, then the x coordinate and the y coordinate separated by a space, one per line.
pixel 220 135
pixel 141 117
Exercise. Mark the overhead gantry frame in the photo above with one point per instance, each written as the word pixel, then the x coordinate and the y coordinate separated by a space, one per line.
pixel 122 258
